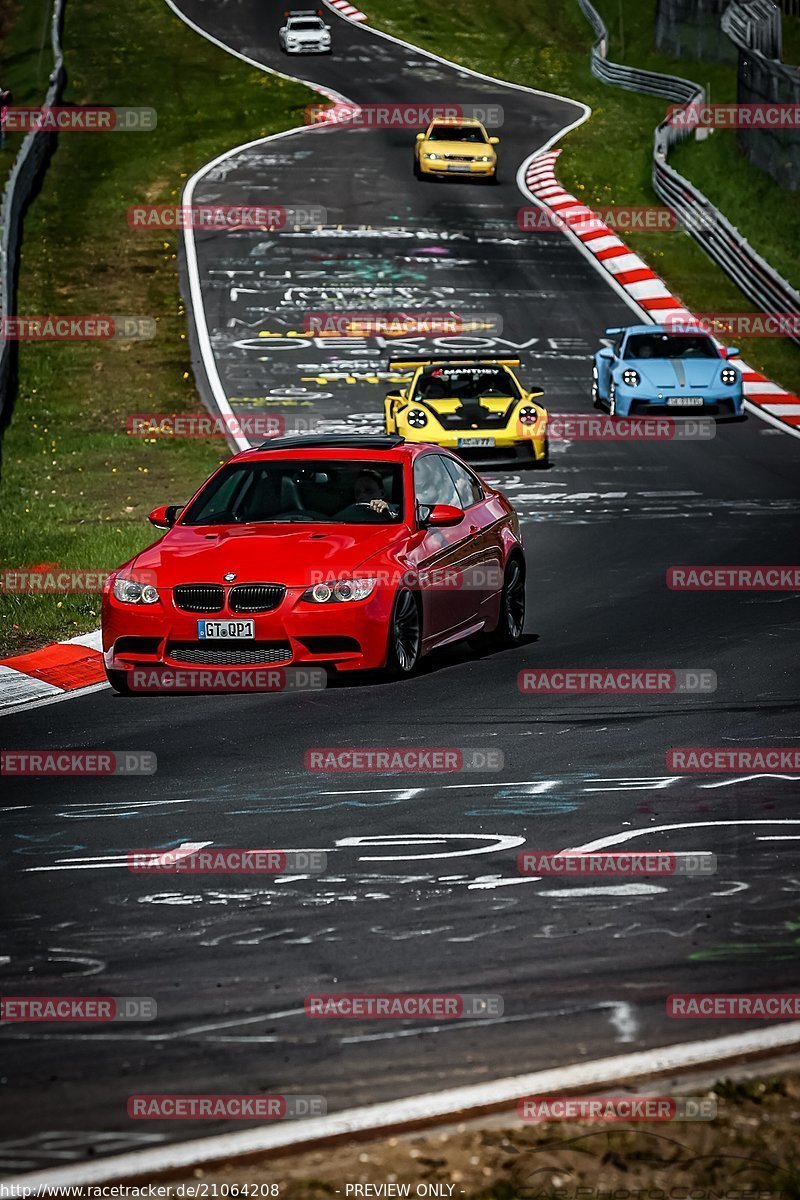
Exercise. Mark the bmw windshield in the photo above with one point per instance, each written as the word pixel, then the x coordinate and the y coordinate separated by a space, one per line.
pixel 270 492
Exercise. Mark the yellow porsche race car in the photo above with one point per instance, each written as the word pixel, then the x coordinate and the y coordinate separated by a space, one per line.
pixel 475 406
pixel 456 146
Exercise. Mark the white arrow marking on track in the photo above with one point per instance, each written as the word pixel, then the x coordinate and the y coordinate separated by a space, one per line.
pixel 109 861
pixel 499 841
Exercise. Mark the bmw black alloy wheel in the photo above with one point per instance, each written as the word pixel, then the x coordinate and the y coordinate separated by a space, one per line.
pixel 406 634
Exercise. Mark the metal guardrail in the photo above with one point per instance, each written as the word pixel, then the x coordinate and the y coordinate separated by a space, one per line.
pixel 26 172
pixel 754 26
pixel 721 241
pixel 754 29
pixel 671 87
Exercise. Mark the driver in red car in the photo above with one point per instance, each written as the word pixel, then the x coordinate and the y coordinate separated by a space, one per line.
pixel 369 489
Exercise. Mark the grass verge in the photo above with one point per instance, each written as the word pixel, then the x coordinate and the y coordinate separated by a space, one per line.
pixel 75 489
pixel 749 1150
pixel 608 159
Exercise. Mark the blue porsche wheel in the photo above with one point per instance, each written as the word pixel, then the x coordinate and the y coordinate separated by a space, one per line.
pixel 596 401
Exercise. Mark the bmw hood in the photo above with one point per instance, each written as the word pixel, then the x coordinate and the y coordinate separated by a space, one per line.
pixel 676 373
pixel 286 554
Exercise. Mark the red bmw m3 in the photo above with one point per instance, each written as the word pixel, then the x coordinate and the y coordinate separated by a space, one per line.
pixel 351 553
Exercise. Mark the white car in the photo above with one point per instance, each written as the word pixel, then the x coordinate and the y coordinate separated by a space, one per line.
pixel 305 33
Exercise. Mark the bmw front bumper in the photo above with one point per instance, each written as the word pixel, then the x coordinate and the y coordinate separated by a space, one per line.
pixel 351 636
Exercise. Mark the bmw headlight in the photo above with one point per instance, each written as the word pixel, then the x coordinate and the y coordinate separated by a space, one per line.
pixel 485 158
pixel 417 418
pixel 631 378
pixel 340 592
pixel 428 154
pixel 729 376
pixel 130 591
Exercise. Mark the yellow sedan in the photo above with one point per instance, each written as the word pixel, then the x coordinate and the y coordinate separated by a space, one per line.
pixel 457 146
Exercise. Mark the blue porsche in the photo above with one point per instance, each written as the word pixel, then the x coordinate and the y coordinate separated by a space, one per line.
pixel 652 368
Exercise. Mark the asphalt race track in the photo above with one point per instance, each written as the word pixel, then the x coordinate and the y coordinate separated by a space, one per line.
pixel 421 891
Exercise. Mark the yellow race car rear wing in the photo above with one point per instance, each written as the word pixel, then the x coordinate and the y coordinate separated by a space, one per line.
pixel 411 364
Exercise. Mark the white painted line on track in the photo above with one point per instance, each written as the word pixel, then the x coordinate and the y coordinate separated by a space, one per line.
pixel 488 883
pixel 11 709
pixel 586 111
pixel 433 1108
pixel 198 308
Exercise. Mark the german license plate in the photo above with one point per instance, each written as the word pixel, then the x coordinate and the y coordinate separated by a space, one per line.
pixel 458 166
pixel 684 401
pixel 226 629
pixel 476 441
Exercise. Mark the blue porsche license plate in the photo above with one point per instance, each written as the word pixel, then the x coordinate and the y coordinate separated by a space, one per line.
pixel 685 401
pixel 226 629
